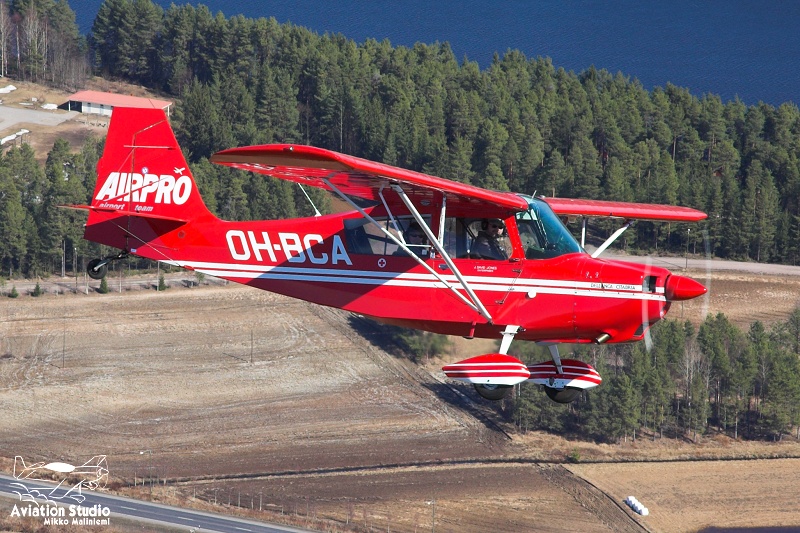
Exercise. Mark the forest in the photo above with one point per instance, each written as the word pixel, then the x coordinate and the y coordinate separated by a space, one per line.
pixel 682 384
pixel 521 124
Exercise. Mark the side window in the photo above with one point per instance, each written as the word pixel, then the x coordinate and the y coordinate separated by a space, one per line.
pixel 363 237
pixel 457 238
pixel 472 238
pixel 451 238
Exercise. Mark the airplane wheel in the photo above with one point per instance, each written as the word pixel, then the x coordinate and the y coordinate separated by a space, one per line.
pixel 97 272
pixel 565 395
pixel 493 392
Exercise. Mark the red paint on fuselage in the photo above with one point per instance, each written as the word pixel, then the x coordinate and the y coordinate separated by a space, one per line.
pixel 569 297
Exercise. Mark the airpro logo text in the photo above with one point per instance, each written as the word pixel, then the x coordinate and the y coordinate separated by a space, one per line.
pixel 145 188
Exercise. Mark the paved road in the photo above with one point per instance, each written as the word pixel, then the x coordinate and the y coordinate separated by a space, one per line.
pixel 151 513
pixel 11 116
pixel 712 265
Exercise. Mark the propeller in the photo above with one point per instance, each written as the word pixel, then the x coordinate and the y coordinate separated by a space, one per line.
pixel 681 288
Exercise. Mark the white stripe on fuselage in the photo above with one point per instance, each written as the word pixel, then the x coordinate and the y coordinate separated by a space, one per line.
pixel 407 279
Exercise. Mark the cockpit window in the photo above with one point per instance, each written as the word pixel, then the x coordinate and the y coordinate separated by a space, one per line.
pixel 476 238
pixel 542 233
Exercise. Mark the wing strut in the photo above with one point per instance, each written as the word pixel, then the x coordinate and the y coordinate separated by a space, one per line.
pixel 613 238
pixel 473 303
pixel 437 244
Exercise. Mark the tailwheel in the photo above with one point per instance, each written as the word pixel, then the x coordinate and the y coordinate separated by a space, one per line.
pixel 565 395
pixel 97 268
pixel 492 392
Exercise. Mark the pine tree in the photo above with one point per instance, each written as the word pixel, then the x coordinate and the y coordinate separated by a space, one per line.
pixel 13 245
pixel 623 407
pixel 765 207
pixel 783 394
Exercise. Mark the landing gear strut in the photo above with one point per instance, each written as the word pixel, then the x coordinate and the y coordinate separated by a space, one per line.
pixel 563 380
pixel 97 268
pixel 498 392
pixel 565 394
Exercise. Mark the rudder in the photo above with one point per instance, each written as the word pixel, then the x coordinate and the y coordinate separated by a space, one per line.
pixel 144 187
pixel 143 170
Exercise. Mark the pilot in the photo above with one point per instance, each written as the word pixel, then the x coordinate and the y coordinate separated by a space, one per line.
pixel 415 240
pixel 491 240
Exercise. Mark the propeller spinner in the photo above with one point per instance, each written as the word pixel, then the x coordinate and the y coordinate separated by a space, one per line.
pixel 680 288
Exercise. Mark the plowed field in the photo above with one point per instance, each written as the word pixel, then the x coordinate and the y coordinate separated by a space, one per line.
pixel 245 397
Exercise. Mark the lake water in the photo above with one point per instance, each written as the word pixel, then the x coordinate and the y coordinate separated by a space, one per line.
pixel 724 47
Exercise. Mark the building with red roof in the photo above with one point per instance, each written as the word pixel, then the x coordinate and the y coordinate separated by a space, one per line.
pixel 100 103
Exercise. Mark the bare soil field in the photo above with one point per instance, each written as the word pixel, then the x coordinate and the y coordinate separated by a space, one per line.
pixel 247 398
pixel 725 494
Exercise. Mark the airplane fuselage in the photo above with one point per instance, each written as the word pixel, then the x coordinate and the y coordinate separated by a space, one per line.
pixel 567 298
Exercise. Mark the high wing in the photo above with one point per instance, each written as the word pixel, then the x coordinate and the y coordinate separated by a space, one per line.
pixel 396 188
pixel 361 178
pixel 626 210
pixel 630 212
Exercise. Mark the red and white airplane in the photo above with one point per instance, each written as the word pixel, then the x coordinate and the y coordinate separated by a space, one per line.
pixel 538 285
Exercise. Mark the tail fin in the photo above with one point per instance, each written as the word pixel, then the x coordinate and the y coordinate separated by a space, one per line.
pixel 144 188
pixel 21 470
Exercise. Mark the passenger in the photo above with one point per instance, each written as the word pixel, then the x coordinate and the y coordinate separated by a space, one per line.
pixel 415 240
pixel 490 242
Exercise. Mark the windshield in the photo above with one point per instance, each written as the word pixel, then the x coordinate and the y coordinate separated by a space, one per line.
pixel 542 233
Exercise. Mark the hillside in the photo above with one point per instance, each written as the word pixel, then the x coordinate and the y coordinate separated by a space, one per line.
pixel 241 394
pixel 75 128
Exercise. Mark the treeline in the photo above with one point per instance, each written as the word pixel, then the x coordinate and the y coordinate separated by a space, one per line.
pixel 40 42
pixel 745 385
pixel 521 124
pixel 37 237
